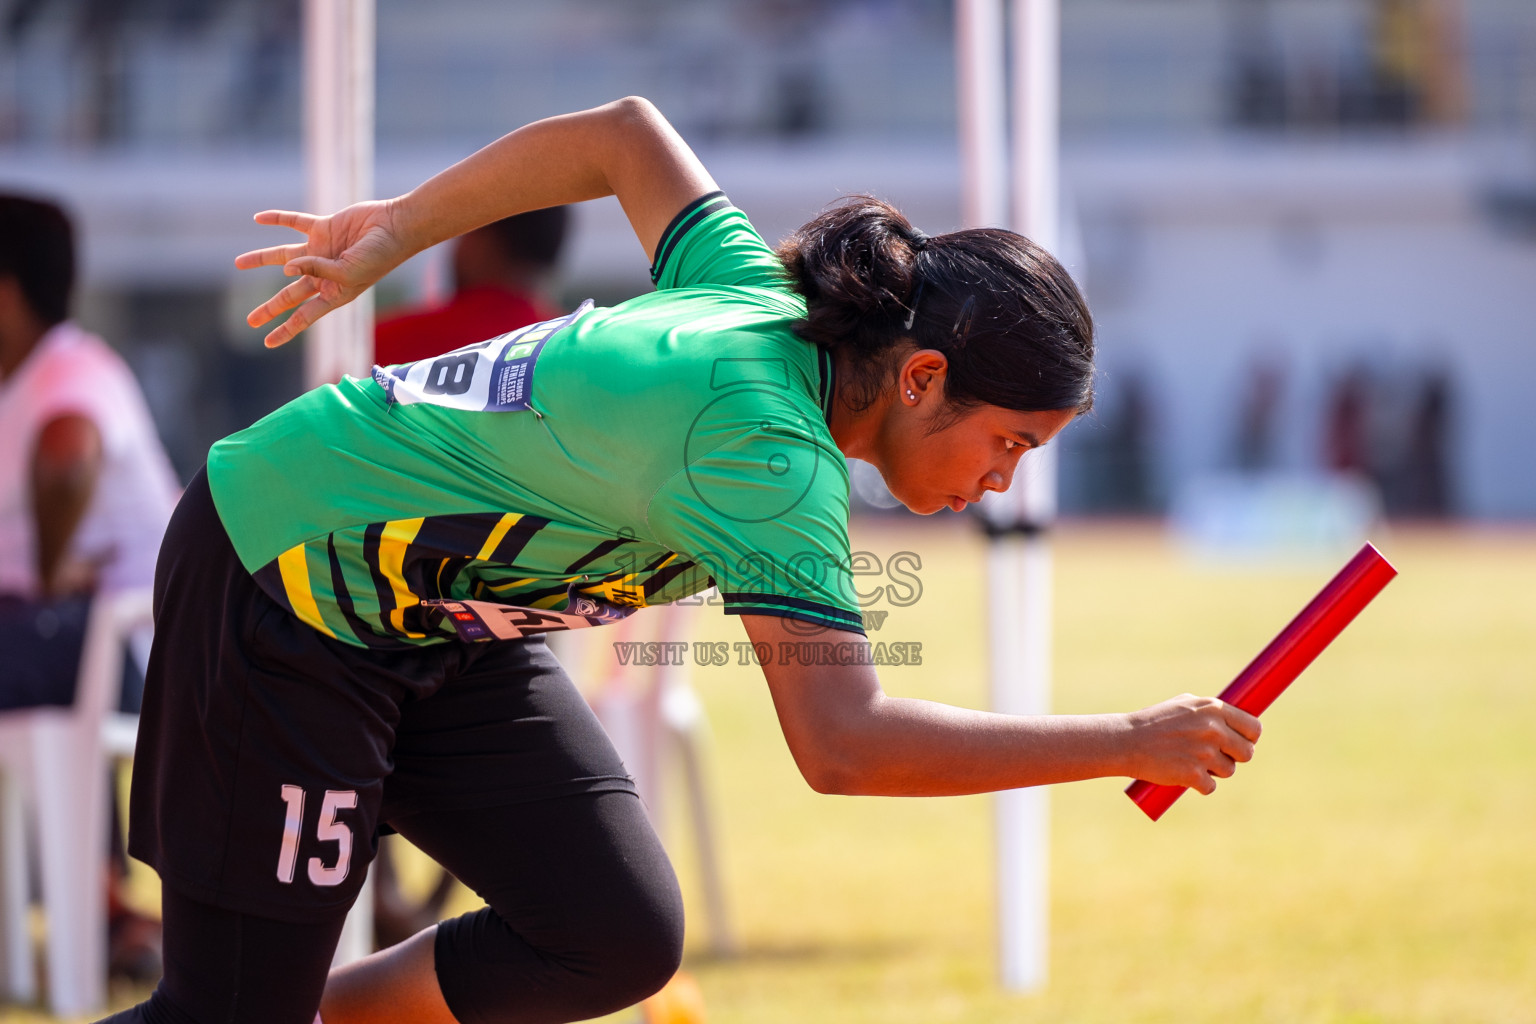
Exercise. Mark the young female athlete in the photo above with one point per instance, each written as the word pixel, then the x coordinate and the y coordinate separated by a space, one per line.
pixel 350 597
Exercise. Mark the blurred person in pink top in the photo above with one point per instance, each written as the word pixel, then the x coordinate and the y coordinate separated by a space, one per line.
pixel 86 490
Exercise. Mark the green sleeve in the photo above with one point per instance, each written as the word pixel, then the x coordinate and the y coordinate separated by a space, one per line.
pixel 710 242
pixel 762 505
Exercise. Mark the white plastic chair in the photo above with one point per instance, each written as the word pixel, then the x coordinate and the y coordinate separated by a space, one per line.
pixel 53 783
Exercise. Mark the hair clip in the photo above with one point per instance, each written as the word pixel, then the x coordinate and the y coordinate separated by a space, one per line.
pixel 963 320
pixel 917 296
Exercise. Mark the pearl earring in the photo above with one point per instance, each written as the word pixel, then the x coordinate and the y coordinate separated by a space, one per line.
pixel 910 396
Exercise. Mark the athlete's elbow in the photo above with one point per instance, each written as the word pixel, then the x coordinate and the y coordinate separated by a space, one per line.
pixel 636 112
pixel 832 723
pixel 837 770
pixel 827 780
pixel 853 780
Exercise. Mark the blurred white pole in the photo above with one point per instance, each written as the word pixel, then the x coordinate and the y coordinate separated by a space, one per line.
pixel 1019 627
pixel 338 149
pixel 1019 557
pixel 1036 121
pixel 1021 563
pixel 982 91
pixel 338 152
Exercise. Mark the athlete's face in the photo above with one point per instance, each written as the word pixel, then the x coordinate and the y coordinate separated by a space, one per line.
pixel 928 469
pixel 957 464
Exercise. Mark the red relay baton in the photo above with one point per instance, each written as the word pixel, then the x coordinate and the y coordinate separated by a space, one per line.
pixel 1288 654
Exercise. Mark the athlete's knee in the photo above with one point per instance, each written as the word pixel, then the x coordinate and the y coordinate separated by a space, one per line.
pixel 631 936
pixel 642 953
pixel 490 974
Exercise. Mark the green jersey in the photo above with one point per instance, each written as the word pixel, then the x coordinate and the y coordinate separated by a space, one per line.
pixel 566 473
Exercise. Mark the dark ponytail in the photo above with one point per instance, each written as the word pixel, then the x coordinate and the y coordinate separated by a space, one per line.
pixel 1002 310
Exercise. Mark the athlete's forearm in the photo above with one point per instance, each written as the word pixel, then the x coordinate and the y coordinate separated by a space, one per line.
pixel 906 747
pixel 847 736
pixel 624 148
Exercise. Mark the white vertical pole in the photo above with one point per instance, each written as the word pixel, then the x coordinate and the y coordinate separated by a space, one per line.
pixel 1021 564
pixel 1019 622
pixel 1019 557
pixel 982 92
pixel 338 146
pixel 338 149
pixel 1036 35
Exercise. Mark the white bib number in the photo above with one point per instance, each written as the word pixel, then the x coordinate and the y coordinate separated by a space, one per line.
pixel 488 376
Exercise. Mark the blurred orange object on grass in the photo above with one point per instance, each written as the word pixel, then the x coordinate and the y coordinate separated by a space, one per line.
pixel 679 1002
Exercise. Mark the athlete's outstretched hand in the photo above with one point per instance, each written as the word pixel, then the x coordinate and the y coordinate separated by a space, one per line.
pixel 624 149
pixel 1191 741
pixel 342 255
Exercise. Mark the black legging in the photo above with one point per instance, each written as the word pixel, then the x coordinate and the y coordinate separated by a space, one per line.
pixel 584 918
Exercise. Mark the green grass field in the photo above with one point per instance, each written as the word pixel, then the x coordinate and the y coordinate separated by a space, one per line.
pixel 1375 863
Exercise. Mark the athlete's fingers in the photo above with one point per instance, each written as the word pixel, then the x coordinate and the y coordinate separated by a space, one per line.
pixel 1247 725
pixel 315 266
pixel 302 317
pixel 288 219
pixel 1238 747
pixel 290 296
pixel 1223 767
pixel 1205 783
pixel 271 256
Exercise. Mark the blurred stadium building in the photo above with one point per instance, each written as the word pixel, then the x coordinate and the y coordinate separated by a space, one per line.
pixel 1307 227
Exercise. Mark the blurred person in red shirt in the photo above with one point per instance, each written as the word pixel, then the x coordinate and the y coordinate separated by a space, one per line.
pixel 499 274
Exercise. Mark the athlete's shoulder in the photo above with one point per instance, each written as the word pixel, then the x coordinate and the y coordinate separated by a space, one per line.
pixel 712 306
pixel 710 241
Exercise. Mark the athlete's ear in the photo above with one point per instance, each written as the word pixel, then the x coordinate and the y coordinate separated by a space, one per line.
pixel 923 373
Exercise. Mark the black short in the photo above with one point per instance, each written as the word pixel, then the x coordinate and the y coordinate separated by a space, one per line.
pixel 270 755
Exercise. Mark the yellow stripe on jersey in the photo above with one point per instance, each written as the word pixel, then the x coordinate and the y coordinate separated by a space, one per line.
pixel 514 584
pixel 395 538
pixel 489 547
pixel 294 569
pixel 627 590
